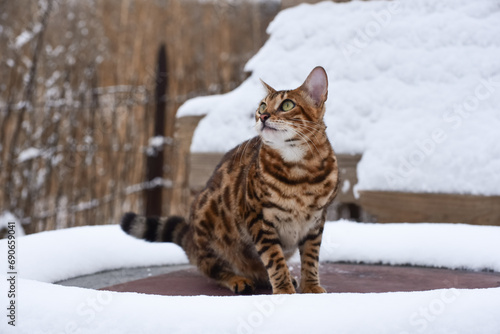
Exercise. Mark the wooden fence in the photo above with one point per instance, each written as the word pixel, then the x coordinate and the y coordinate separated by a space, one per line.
pixel 84 169
pixel 77 106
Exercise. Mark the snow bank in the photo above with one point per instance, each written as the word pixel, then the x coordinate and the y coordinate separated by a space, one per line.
pixel 51 256
pixel 47 308
pixel 451 246
pixel 414 85
pixel 63 254
pixel 58 255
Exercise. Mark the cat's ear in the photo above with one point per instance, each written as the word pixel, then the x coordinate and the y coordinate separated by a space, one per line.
pixel 269 89
pixel 316 86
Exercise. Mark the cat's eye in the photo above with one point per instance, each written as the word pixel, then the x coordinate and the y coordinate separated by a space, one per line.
pixel 262 107
pixel 287 105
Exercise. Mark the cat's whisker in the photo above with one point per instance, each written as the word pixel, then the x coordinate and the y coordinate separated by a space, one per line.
pixel 306 121
pixel 302 126
pixel 311 128
pixel 307 140
pixel 245 146
pixel 301 134
pixel 240 147
pixel 244 150
pixel 309 131
pixel 257 143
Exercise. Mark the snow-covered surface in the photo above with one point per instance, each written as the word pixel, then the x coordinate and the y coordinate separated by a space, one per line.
pixel 91 249
pixel 51 309
pixel 58 255
pixel 414 85
pixel 436 245
pixel 51 256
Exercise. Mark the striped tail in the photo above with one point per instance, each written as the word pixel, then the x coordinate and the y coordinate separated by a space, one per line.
pixel 155 229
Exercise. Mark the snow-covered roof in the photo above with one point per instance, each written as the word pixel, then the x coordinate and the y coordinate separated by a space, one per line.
pixel 414 85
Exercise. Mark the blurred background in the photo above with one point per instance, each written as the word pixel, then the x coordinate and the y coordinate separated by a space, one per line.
pixel 77 91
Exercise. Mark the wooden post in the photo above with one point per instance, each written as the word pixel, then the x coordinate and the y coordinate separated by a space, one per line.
pixel 153 195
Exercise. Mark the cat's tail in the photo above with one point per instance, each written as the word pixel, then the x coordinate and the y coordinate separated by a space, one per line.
pixel 154 229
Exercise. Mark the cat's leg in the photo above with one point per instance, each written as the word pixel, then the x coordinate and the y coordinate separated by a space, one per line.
pixel 219 270
pixel 309 258
pixel 268 247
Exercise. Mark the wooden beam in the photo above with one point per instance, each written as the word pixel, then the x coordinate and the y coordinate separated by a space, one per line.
pixel 154 169
pixel 388 206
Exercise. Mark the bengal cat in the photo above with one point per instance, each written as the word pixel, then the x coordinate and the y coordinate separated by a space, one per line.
pixel 266 198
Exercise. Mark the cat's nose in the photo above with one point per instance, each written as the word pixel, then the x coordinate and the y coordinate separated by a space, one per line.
pixel 263 117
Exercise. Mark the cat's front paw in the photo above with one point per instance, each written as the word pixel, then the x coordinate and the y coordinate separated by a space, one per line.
pixel 241 285
pixel 313 289
pixel 289 289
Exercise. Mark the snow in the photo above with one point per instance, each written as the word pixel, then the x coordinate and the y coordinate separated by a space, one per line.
pixel 451 246
pixel 26 36
pixel 156 182
pixel 51 256
pixel 56 309
pixel 414 86
pixel 7 217
pixel 23 38
pixel 156 143
pixel 58 255
pixel 92 249
pixel 159 141
pixel 28 154
pixel 346 186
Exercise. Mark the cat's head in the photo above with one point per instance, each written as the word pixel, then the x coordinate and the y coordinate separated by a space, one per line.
pixel 290 117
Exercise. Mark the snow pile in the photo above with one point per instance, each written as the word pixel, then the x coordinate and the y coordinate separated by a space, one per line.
pixel 453 246
pixel 413 85
pixel 47 308
pixel 92 249
pixel 56 255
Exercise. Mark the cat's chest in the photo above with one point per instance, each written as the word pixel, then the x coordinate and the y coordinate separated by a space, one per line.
pixel 292 225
